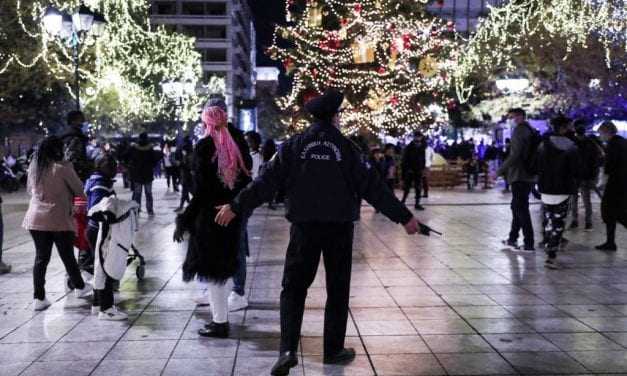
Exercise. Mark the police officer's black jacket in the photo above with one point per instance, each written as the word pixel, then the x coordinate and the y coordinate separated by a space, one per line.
pixel 325 177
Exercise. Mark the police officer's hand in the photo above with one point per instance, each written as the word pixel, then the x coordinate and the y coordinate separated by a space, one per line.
pixel 412 226
pixel 225 215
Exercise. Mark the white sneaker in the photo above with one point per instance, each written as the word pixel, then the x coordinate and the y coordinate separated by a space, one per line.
pixel 203 299
pixel 84 292
pixel 112 314
pixel 40 305
pixel 237 302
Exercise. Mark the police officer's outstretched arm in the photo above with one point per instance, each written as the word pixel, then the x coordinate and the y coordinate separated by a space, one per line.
pixel 373 189
pixel 262 189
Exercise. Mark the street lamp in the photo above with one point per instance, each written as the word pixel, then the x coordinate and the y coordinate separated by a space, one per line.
pixel 73 30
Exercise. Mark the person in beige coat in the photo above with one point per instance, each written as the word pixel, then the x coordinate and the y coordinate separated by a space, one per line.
pixel 52 185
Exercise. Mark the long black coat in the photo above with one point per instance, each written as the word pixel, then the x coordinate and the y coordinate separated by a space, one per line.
pixel 614 203
pixel 212 249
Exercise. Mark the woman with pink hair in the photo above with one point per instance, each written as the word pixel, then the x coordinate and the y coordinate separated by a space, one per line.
pixel 219 174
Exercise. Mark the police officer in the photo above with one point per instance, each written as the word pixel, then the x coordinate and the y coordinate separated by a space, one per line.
pixel 325 178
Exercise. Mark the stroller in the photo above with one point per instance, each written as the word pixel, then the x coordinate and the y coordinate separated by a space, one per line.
pixel 114 248
pixel 82 244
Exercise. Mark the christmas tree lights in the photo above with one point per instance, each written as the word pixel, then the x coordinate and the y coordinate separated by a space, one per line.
pixel 390 58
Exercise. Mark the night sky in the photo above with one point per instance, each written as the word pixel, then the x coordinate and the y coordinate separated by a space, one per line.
pixel 267 14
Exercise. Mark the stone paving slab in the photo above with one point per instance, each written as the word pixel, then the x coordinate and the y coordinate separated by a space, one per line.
pixel 455 305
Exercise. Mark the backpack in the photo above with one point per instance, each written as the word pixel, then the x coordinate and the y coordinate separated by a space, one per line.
pixel 530 159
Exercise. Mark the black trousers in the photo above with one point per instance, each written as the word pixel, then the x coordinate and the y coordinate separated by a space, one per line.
pixel 414 179
pixel 307 242
pixel 102 298
pixel 521 217
pixel 64 241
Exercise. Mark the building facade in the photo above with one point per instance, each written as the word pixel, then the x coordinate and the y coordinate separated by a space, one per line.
pixel 225 38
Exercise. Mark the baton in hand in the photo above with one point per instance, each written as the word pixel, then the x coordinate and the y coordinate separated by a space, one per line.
pixel 426 230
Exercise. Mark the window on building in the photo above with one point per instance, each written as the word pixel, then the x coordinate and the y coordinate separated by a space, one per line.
pixel 196 31
pixel 216 9
pixel 215 31
pixel 164 7
pixel 193 9
pixel 214 55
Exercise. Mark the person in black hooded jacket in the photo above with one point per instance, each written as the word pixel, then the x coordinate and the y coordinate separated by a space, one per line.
pixel 558 164
pixel 325 178
pixel 143 159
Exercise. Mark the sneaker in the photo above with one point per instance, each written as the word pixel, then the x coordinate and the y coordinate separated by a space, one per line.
pixel 237 302
pixel 84 292
pixel 4 268
pixel 527 248
pixel 606 247
pixel 588 227
pixel 574 225
pixel 419 207
pixel 202 299
pixel 112 314
pixel 509 243
pixel 551 264
pixel 215 330
pixel 40 305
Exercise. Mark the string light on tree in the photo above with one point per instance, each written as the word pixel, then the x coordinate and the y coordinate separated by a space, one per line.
pixel 371 50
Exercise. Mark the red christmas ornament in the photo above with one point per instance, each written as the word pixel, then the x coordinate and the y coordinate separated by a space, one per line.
pixel 314 72
pixel 357 8
pixel 450 26
pixel 451 104
pixel 394 100
pixel 344 22
pixel 381 70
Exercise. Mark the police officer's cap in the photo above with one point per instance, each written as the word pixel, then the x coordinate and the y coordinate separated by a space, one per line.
pixel 325 106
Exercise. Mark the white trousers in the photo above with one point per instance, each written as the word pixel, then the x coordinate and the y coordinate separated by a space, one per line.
pixel 219 299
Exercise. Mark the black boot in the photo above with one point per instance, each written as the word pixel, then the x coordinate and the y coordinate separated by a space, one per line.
pixel 343 357
pixel 286 361
pixel 215 330
pixel 607 246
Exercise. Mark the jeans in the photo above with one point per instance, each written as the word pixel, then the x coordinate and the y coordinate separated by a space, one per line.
pixel 521 217
pixel 307 242
pixel 64 240
pixel 586 187
pixel 554 223
pixel 137 194
pixel 239 279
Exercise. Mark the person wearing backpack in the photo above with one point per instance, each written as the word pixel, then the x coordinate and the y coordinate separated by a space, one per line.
pixel 518 169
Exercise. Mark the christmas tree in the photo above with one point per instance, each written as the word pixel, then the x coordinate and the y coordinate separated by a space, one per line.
pixel 391 59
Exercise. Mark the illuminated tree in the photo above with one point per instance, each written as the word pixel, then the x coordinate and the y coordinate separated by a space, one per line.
pixel 121 71
pixel 574 51
pixel 390 58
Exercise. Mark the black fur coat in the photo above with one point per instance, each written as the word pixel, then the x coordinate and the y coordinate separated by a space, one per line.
pixel 212 250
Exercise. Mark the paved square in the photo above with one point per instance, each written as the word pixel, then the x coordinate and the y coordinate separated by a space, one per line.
pixel 456 305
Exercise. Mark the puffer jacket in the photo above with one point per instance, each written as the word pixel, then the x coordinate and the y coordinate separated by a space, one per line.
pixel 558 165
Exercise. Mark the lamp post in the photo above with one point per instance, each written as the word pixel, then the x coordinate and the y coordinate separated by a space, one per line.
pixel 73 30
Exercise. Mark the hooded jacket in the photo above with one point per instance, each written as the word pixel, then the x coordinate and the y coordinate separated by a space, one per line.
pixel 97 187
pixel 142 162
pixel 558 165
pixel 325 177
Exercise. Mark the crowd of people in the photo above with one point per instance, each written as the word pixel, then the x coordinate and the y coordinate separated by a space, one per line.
pixel 322 177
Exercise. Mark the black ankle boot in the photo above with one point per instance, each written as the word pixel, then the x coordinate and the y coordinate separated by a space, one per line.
pixel 215 330
pixel 343 357
pixel 286 361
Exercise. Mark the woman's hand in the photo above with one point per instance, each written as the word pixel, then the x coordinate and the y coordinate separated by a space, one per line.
pixel 225 215
pixel 178 235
